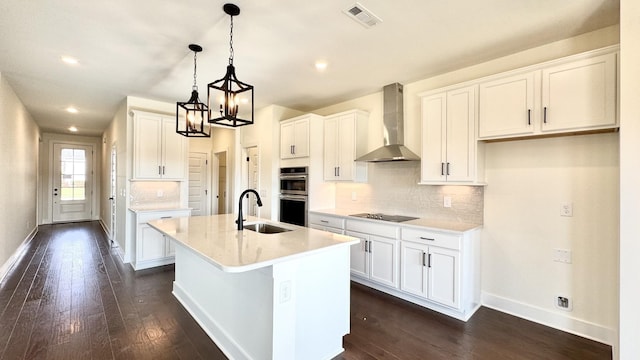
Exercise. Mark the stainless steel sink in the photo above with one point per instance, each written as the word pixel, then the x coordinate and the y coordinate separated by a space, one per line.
pixel 265 228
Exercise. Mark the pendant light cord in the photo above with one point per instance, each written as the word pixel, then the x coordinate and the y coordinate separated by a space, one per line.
pixel 231 43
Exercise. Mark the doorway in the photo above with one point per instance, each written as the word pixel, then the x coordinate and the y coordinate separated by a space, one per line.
pixel 72 182
pixel 198 184
pixel 219 186
pixel 113 192
pixel 252 179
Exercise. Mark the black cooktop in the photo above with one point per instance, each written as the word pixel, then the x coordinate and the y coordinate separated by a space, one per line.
pixel 384 217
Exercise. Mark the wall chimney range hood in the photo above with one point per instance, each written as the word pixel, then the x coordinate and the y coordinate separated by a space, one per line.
pixel 393 121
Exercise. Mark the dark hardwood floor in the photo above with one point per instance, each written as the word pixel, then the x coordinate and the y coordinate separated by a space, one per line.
pixel 70 297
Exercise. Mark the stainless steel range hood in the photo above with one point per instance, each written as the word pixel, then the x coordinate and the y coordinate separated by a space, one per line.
pixel 393 121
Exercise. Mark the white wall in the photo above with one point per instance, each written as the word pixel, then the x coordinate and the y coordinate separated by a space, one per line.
pixel 528 180
pixel 629 346
pixel 19 142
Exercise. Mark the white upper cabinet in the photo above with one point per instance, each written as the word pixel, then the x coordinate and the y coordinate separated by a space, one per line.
pixel 448 136
pixel 568 95
pixel 294 138
pixel 507 105
pixel 345 138
pixel 158 151
pixel 579 94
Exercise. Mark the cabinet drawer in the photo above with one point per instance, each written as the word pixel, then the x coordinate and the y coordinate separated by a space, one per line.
pixel 369 227
pixel 325 220
pixel 432 238
pixel 155 215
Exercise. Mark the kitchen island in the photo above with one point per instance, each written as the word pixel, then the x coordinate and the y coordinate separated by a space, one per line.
pixel 262 296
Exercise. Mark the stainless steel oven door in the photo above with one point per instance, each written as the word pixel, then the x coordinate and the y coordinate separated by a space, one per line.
pixel 293 209
pixel 293 184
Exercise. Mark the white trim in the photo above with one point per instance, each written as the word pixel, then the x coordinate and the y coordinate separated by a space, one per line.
pixel 549 318
pixel 4 270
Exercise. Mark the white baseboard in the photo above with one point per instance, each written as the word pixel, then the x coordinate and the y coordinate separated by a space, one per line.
pixel 552 319
pixel 17 254
pixel 106 230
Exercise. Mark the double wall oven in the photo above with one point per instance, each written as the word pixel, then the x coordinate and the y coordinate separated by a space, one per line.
pixel 294 183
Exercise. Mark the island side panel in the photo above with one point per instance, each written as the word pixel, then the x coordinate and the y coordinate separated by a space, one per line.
pixel 322 304
pixel 234 309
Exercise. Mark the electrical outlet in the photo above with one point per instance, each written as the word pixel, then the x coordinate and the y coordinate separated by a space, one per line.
pixel 285 291
pixel 354 196
pixel 564 303
pixel 160 193
pixel 562 255
pixel 566 209
pixel 447 201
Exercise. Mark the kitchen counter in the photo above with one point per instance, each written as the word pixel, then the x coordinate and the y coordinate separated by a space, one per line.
pixel 262 296
pixel 216 239
pixel 423 223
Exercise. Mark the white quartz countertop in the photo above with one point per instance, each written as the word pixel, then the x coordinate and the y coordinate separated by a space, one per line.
pixel 217 240
pixel 425 223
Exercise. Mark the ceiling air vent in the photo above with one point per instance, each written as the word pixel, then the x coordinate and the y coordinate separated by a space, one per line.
pixel 362 16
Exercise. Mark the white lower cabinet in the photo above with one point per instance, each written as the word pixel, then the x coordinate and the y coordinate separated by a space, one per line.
pixel 333 224
pixel 152 248
pixel 430 272
pixel 375 258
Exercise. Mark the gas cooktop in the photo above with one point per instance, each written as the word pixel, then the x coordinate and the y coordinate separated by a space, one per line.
pixel 384 217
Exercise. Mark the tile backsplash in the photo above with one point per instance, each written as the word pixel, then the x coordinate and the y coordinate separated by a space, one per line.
pixel 393 188
pixel 155 194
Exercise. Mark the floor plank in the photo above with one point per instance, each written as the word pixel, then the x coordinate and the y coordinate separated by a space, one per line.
pixel 70 297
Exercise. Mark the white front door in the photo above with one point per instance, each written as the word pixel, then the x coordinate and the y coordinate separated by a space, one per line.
pixel 198 184
pixel 71 193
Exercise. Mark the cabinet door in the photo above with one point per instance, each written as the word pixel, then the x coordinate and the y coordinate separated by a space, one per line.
pixel 346 147
pixel 580 94
pixel 359 261
pixel 444 276
pixel 151 245
pixel 460 135
pixel 413 270
pixel 330 149
pixel 147 130
pixel 174 151
pixel 286 140
pixel 507 106
pixel 434 114
pixel 301 138
pixel 383 267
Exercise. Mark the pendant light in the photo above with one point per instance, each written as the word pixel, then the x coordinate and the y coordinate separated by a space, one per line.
pixel 230 100
pixel 191 115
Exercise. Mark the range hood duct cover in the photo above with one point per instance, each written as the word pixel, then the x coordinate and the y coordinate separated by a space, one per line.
pixel 393 121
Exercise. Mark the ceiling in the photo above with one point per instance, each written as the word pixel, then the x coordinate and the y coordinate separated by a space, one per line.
pixel 139 48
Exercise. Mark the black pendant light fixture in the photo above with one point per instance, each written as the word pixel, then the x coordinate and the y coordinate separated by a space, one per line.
pixel 230 100
pixel 191 115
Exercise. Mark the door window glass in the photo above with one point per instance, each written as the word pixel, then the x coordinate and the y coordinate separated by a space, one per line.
pixel 73 164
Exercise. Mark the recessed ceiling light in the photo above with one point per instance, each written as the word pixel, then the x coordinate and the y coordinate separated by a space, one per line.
pixel 73 129
pixel 69 60
pixel 72 110
pixel 321 65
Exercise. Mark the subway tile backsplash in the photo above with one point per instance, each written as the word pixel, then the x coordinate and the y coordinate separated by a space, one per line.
pixel 156 194
pixel 393 188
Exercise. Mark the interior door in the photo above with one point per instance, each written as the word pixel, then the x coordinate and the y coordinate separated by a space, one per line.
pixel 198 184
pixel 72 182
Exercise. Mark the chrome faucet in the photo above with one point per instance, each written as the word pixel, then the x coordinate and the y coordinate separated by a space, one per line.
pixel 239 221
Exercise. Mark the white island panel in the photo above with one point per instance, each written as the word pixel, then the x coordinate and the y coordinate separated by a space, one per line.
pixel 263 296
